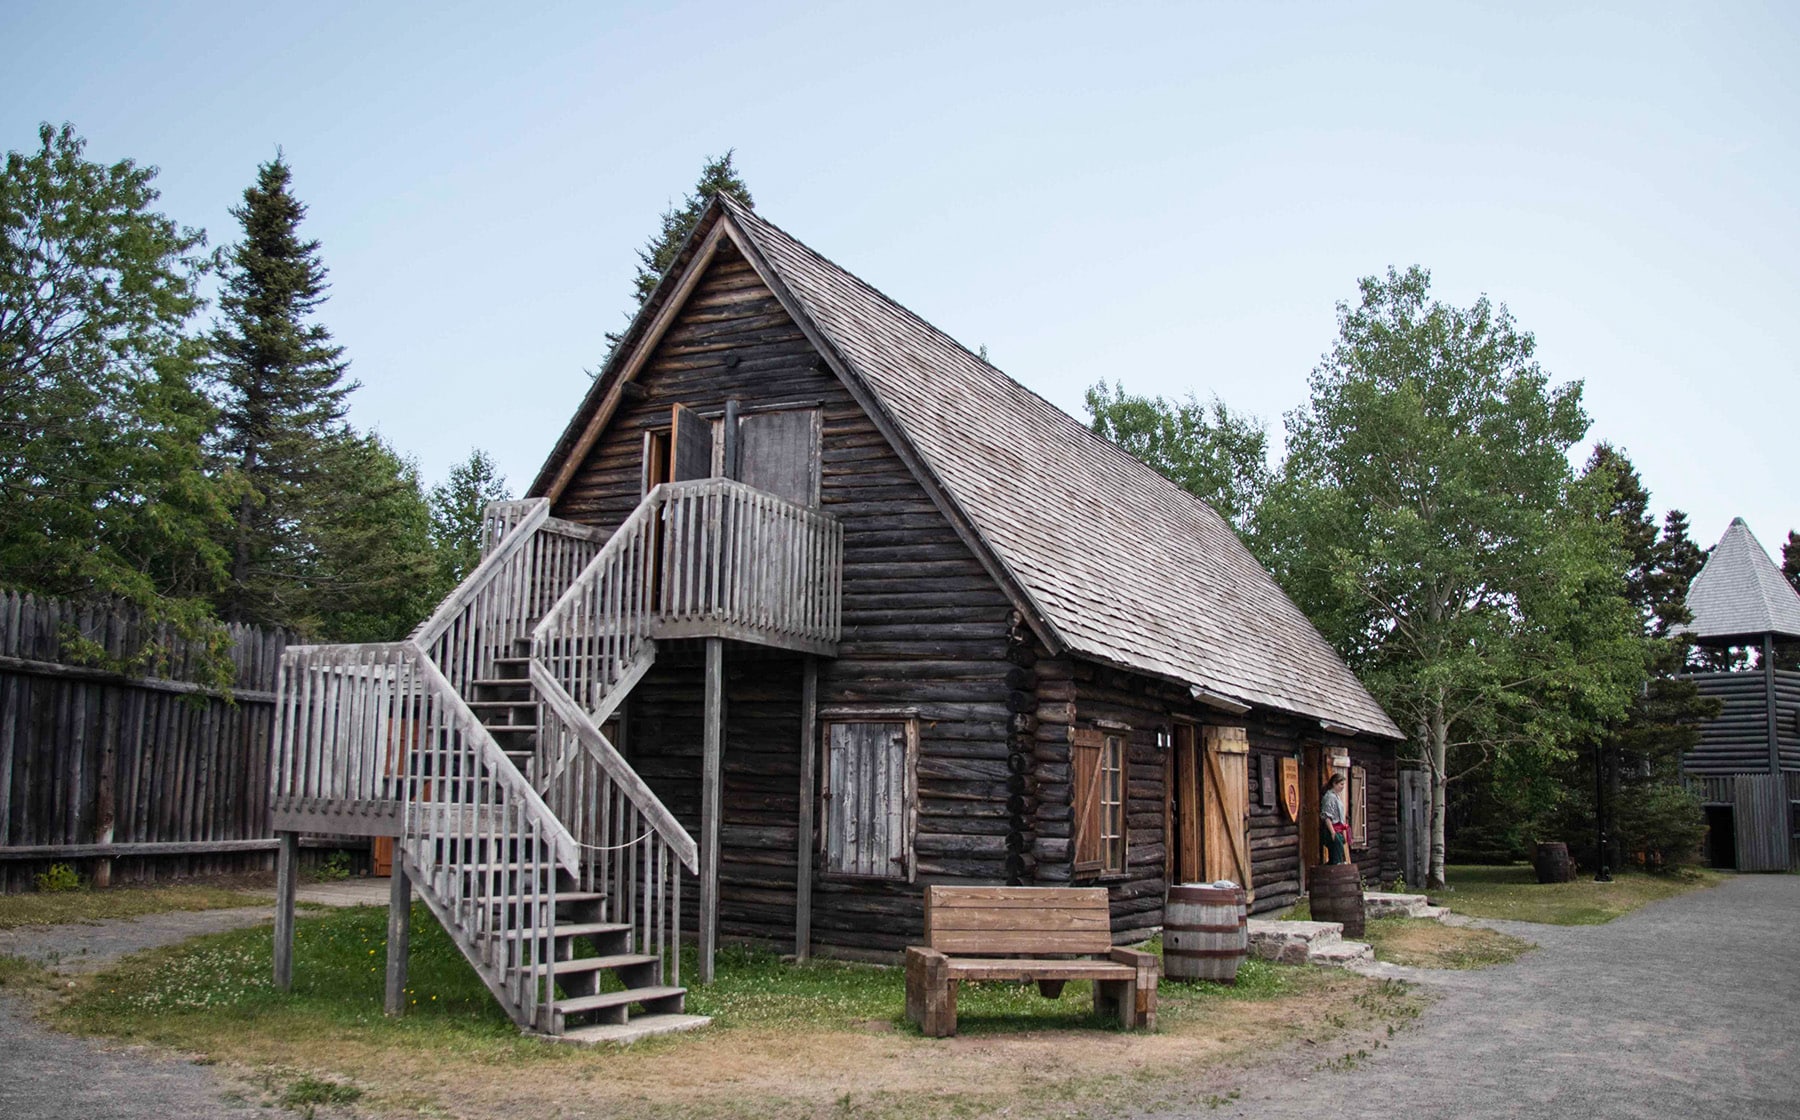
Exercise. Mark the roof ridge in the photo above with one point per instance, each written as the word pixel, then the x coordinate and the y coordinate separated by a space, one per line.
pixel 1126 458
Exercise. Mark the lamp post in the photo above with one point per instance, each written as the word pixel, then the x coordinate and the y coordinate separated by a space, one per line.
pixel 1602 816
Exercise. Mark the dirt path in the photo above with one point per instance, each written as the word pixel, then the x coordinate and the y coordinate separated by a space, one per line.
pixel 1687 1008
pixel 50 1076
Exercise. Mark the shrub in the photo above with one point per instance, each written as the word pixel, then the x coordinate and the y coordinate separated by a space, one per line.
pixel 60 877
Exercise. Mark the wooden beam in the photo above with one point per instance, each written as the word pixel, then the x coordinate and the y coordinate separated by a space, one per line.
pixel 1769 698
pixel 287 873
pixel 659 325
pixel 28 666
pixel 712 779
pixel 803 848
pixel 399 938
pixel 120 851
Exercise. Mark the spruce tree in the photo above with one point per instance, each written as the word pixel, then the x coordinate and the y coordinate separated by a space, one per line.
pixel 281 393
pixel 718 176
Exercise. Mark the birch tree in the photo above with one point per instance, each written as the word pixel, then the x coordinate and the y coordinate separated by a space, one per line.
pixel 1427 518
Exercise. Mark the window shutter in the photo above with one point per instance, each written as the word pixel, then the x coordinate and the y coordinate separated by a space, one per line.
pixel 869 800
pixel 1085 796
pixel 1359 807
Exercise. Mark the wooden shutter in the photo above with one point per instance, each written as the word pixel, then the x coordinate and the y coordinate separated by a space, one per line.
pixel 1226 756
pixel 870 799
pixel 1359 807
pixel 1084 794
pixel 693 439
pixel 779 452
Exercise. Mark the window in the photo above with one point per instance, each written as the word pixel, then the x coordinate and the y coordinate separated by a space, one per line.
pixel 1357 805
pixel 870 797
pixel 1099 801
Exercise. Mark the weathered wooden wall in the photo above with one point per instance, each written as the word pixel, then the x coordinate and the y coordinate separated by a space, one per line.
pixel 155 759
pixel 1070 692
pixel 1736 741
pixel 925 628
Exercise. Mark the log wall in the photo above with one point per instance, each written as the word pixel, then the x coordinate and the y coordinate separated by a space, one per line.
pixel 90 756
pixel 1736 741
pixel 925 629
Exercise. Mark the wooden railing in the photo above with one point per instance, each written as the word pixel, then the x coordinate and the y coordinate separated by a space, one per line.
pixel 368 724
pixel 528 559
pixel 739 562
pixel 585 655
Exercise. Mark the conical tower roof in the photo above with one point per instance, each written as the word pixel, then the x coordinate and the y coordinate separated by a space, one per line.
pixel 1740 594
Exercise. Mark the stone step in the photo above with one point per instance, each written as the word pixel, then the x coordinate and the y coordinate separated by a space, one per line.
pixel 1340 953
pixel 1291 942
pixel 641 1026
pixel 1387 904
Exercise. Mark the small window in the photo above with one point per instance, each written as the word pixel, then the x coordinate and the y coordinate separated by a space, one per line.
pixel 1099 801
pixel 1359 807
pixel 870 798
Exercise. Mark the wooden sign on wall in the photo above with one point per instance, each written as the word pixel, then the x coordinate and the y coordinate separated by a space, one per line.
pixel 1290 787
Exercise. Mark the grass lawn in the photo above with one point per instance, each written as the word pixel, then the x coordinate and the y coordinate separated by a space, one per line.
pixel 1514 893
pixel 54 908
pixel 788 1040
pixel 1426 943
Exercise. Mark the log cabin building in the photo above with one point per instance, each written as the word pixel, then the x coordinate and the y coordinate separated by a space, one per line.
pixel 1746 767
pixel 828 608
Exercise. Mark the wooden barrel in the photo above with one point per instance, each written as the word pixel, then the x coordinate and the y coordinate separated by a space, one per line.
pixel 1551 859
pixel 1336 892
pixel 1205 933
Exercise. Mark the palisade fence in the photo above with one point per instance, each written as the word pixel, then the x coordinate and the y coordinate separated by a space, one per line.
pixel 126 777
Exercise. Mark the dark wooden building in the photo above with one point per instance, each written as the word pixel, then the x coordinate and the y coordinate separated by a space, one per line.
pixel 823 606
pixel 1747 766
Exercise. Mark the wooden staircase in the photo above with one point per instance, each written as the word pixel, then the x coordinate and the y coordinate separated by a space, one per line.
pixel 605 989
pixel 480 739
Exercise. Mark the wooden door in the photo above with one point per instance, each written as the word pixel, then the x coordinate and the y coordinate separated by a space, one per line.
pixel 778 452
pixel 1312 851
pixel 693 439
pixel 1185 801
pixel 1225 801
pixel 870 798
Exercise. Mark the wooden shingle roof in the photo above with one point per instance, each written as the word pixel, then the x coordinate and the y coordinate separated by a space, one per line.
pixel 1740 594
pixel 1116 563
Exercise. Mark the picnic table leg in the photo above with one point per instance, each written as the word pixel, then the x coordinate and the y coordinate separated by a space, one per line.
pixel 1051 989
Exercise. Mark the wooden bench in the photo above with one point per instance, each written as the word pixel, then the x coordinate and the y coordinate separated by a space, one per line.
pixel 1048 934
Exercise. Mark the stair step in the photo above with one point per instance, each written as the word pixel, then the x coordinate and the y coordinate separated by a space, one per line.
pixel 578 1004
pixel 561 896
pixel 596 964
pixel 589 929
pixel 479 704
pixel 641 1026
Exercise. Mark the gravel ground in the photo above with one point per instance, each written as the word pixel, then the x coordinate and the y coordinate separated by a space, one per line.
pixel 1687 1008
pixel 50 1076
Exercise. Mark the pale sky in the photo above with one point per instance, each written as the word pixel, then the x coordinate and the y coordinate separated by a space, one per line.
pixel 1174 195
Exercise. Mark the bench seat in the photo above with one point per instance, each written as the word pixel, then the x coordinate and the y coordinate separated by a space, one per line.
pixel 1008 933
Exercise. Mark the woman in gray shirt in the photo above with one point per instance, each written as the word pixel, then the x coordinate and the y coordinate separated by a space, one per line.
pixel 1337 830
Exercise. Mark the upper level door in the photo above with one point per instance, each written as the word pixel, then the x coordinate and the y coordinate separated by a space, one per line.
pixel 778 451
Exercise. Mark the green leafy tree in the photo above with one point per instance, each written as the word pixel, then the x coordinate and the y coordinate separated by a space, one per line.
pixel 457 505
pixel 103 491
pixel 1213 453
pixel 1427 519
pixel 368 574
pixel 282 395
pixel 718 176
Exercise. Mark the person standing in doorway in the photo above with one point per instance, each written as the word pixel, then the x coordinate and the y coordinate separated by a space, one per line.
pixel 1337 830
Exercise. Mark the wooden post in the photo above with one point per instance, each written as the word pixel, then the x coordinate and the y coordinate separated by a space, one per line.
pixel 712 779
pixel 803 854
pixel 105 808
pixel 1769 701
pixel 287 872
pixel 399 938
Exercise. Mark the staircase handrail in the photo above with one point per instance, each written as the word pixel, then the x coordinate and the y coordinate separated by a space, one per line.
pixel 433 628
pixel 629 642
